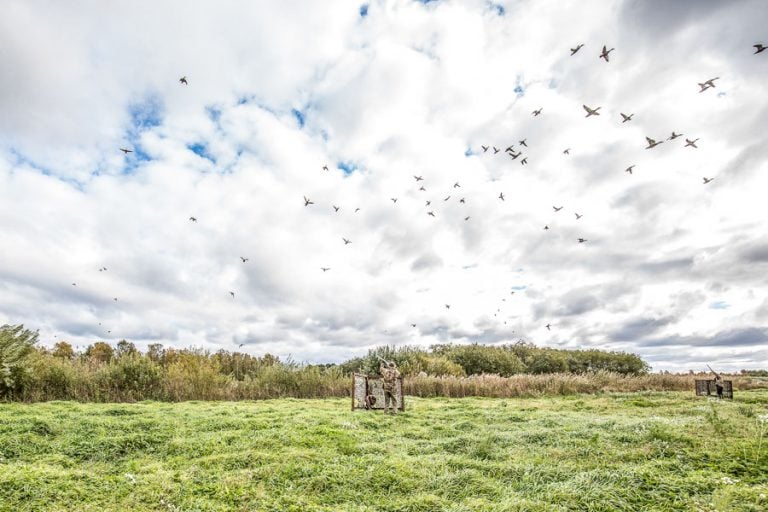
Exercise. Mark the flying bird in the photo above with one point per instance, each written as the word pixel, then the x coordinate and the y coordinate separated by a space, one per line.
pixel 485 148
pixel 674 136
pixel 759 47
pixel 557 209
pixel 548 327
pixel 591 111
pixel 495 150
pixel 462 200
pixel 422 189
pixel 707 84
pixel 515 155
pixel 605 52
pixel 431 213
pixel 578 216
pixel 232 294
pixel 114 298
pixel 626 117
pixel 193 219
pixel 578 47
pixel 413 325
pixel 325 167
pixel 501 196
pixel 103 269
pixel 537 112
pixel 418 178
pixel 336 208
pixel 307 202
pixel 243 259
pixel 456 185
pixel 428 203
pixel 126 150
pixel 510 148
pixel 652 143
pixel 524 161
pixel 629 169
pixel 691 143
pixel 466 218
pixel 546 228
pixel 447 198
pixel 183 80
pixel 707 180
pixel 346 242
pixel 522 142
pixel 357 210
pixel 325 269
pixel 567 151
pixel 393 199
pixel 582 240
pixel 447 306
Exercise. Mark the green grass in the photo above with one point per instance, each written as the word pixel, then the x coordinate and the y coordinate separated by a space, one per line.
pixel 624 451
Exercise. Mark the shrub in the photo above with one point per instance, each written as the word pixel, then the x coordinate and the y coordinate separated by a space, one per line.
pixel 16 344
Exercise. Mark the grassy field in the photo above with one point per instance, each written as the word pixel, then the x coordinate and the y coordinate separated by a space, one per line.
pixel 607 452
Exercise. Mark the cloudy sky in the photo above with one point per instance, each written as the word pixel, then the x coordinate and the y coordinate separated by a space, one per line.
pixel 672 269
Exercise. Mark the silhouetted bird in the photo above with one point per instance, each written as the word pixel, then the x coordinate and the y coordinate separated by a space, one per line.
pixel 428 203
pixel 243 259
pixel 418 178
pixel 652 143
pixel 522 142
pixel 346 242
pixel 183 80
pixel 466 218
pixel 115 299
pixel 126 150
pixel 325 167
pixel 578 216
pixel 357 210
pixel 501 195
pixel 574 50
pixel 605 52
pixel 422 189
pixel 524 161
pixel 674 136
pixel 582 240
pixel 447 198
pixel 336 208
pixel 431 213
pixel 325 269
pixel 707 84
pixel 629 169
pixel 307 202
pixel 193 219
pixel 759 47
pixel 537 112
pixel 567 151
pixel 393 199
pixel 557 209
pixel 232 294
pixel 546 228
pixel 447 306
pixel 462 200
pixel 707 180
pixel 485 148
pixel 548 327
pixel 591 111
pixel 495 150
pixel 456 185
pixel 626 117
pixel 691 143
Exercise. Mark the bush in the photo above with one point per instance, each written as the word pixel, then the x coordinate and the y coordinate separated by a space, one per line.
pixel 16 344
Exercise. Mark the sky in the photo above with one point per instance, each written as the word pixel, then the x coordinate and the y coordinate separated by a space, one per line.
pixel 98 244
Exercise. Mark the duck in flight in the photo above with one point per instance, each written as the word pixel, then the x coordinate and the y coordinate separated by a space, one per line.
pixel 578 47
pixel 707 84
pixel 422 189
pixel 325 269
pixel 393 199
pixel 591 111
pixel 692 143
pixel 183 80
pixel 548 327
pixel 537 112
pixel 629 169
pixel 485 148
pixel 626 117
pixel 522 142
pixel 336 208
pixel 126 150
pixel 462 201
pixel 456 185
pixel 495 150
pixel 557 209
pixel 652 143
pixel 759 48
pixel 501 196
pixel 707 180
pixel 232 294
pixel 567 151
pixel 346 242
pixel 605 52
pixel 325 167
pixel 515 155
pixel 243 259
pixel 447 198
pixel 578 216
pixel 193 219
pixel 418 178
pixel 431 213
pixel 466 218
pixel 307 202
pixel 674 136
pixel 582 240
pixel 524 161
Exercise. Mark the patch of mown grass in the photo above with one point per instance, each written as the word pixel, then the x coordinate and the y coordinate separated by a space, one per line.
pixel 594 453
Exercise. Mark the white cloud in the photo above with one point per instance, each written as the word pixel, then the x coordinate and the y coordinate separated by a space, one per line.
pixel 405 91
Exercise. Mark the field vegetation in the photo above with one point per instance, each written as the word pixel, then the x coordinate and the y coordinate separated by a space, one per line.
pixel 648 451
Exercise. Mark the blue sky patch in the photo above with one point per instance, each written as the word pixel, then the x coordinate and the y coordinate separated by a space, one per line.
pixel 214 113
pixel 519 88
pixel 201 150
pixel 498 8
pixel 146 114
pixel 720 304
pixel 364 10
pixel 300 117
pixel 347 167
pixel 518 288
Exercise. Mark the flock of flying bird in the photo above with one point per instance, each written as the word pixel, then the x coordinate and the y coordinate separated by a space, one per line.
pixel 509 151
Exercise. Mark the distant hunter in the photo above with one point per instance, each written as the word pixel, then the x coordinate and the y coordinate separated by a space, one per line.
pixel 389 375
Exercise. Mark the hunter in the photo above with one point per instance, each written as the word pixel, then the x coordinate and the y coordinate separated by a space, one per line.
pixel 389 375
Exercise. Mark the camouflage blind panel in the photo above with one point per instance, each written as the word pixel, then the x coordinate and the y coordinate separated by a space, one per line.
pixel 709 388
pixel 363 385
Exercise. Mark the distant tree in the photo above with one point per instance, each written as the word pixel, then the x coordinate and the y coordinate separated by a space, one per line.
pixel 63 350
pixel 125 348
pixel 155 352
pixel 100 351
pixel 16 344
